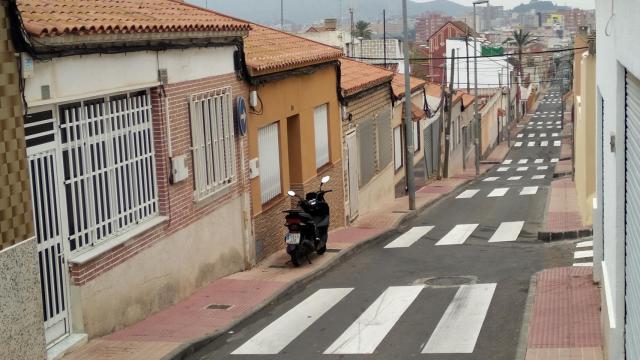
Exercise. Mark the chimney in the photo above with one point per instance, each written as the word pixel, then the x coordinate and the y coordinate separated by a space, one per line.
pixel 330 24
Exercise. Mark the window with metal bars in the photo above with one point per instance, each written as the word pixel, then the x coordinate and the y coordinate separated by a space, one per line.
pixel 269 158
pixel 213 142
pixel 108 165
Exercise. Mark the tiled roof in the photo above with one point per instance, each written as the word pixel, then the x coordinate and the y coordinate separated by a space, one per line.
pixel 48 18
pixel 434 90
pixel 398 85
pixel 357 76
pixel 269 51
pixel 417 113
pixel 467 99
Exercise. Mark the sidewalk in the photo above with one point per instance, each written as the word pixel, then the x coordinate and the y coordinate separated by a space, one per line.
pixel 565 318
pixel 223 303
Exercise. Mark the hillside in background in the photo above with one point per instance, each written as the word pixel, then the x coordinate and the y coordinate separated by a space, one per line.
pixel 310 11
pixel 539 6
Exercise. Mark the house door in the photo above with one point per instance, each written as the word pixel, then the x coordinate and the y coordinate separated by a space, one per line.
pixel 40 133
pixel 352 170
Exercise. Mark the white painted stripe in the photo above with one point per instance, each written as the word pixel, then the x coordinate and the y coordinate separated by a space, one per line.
pixel 503 169
pixel 538 177
pixel 529 190
pixel 498 192
pixel 459 327
pixel 409 238
pixel 543 135
pixel 517 144
pixel 507 231
pixel 458 235
pixel 523 168
pixel 555 160
pixel 545 167
pixel 549 127
pixel 584 264
pixel 531 135
pixel 507 162
pixel 467 194
pixel 555 134
pixel 368 331
pixel 492 178
pixel 558 127
pixel 583 254
pixel 531 143
pixel 557 143
pixel 523 161
pixel 519 135
pixel 514 178
pixel 276 336
pixel 539 161
pixel 585 244
pixel 544 143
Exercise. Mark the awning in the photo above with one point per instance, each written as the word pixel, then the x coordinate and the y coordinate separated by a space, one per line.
pixel 417 113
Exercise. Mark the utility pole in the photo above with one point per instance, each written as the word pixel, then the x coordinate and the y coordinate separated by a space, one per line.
pixel 384 35
pixel 466 44
pixel 353 44
pixel 282 15
pixel 476 115
pixel 407 113
pixel 449 101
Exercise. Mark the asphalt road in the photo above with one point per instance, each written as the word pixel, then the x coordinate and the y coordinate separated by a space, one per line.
pixel 376 305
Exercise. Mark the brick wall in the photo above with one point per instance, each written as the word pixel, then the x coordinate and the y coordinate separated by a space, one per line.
pixel 16 217
pixel 175 201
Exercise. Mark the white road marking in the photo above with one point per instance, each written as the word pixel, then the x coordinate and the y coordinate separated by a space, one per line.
pixel 498 192
pixel 539 161
pixel 518 144
pixel 514 178
pixel 519 135
pixel 458 235
pixel 544 143
pixel 531 143
pixel 409 238
pixel 555 134
pixel 503 169
pixel 549 127
pixel 529 190
pixel 507 231
pixel 538 177
pixel 540 168
pixel 585 244
pixel 555 160
pixel 557 143
pixel 523 161
pixel 531 135
pixel 583 254
pixel 368 331
pixel 276 336
pixel 507 162
pixel 523 168
pixel 544 135
pixel 459 327
pixel 467 194
pixel 492 178
pixel 583 264
pixel 558 127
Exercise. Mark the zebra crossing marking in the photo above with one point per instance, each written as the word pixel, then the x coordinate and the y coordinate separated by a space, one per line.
pixel 458 235
pixel 585 244
pixel 531 135
pixel 543 135
pixel 583 264
pixel 499 192
pixel 529 190
pixel 519 135
pixel 544 167
pixel 555 160
pixel 409 238
pixel 539 161
pixel 557 143
pixel 514 178
pixel 583 254
pixel 544 143
pixel 503 169
pixel 277 335
pixel 492 178
pixel 507 162
pixel 517 144
pixel 373 325
pixel 538 177
pixel 531 143
pixel 468 194
pixel 523 161
pixel 507 231
pixel 459 327
pixel 522 168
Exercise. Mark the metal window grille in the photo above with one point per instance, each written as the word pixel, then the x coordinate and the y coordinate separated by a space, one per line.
pixel 366 134
pixel 397 147
pixel 108 165
pixel 213 141
pixel 321 126
pixel 385 140
pixel 269 157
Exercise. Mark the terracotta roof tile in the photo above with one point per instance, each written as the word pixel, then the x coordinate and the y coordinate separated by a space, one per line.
pixel 434 90
pixel 398 85
pixel 48 18
pixel 268 51
pixel 467 99
pixel 356 76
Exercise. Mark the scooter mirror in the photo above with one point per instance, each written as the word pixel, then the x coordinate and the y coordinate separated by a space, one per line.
pixel 291 193
pixel 325 179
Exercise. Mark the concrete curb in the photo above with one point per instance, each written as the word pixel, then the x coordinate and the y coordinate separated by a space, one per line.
pixel 549 236
pixel 523 340
pixel 186 349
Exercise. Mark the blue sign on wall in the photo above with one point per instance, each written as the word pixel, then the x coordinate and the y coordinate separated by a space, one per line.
pixel 241 115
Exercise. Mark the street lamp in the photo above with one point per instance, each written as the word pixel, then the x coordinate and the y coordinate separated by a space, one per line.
pixel 411 187
pixel 476 115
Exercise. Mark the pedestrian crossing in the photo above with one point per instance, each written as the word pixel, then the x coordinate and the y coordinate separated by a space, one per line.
pixel 499 192
pixel 583 256
pixel 513 178
pixel 456 332
pixel 458 235
pixel 542 143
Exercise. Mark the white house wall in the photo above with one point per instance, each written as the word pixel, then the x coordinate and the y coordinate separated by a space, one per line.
pixel 75 77
pixel 616 50
pixel 488 68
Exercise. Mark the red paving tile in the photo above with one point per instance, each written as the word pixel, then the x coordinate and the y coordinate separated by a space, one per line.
pixel 566 310
pixel 562 210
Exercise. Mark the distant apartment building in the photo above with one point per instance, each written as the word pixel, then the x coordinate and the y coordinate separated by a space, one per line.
pixel 575 18
pixel 429 23
pixel 437 47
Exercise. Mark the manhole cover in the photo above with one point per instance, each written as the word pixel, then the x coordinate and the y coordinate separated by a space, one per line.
pixel 446 281
pixel 218 307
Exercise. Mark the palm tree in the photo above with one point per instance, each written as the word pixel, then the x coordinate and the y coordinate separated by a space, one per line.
pixel 520 39
pixel 362 30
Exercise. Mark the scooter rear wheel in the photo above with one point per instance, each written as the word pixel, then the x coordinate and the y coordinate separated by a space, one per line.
pixel 322 250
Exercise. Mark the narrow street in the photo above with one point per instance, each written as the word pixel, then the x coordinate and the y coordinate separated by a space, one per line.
pixel 451 283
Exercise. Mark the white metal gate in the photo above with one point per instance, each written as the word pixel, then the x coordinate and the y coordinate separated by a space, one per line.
pixel 43 170
pixel 632 219
pixel 352 170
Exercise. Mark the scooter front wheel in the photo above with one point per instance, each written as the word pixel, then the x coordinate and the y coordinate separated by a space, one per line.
pixel 322 250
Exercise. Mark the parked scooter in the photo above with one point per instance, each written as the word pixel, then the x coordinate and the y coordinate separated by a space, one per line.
pixel 308 226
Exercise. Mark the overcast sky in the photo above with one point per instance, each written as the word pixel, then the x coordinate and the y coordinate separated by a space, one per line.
pixel 583 4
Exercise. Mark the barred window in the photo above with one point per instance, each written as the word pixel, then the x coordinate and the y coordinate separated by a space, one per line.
pixel 108 165
pixel 269 158
pixel 321 127
pixel 212 136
